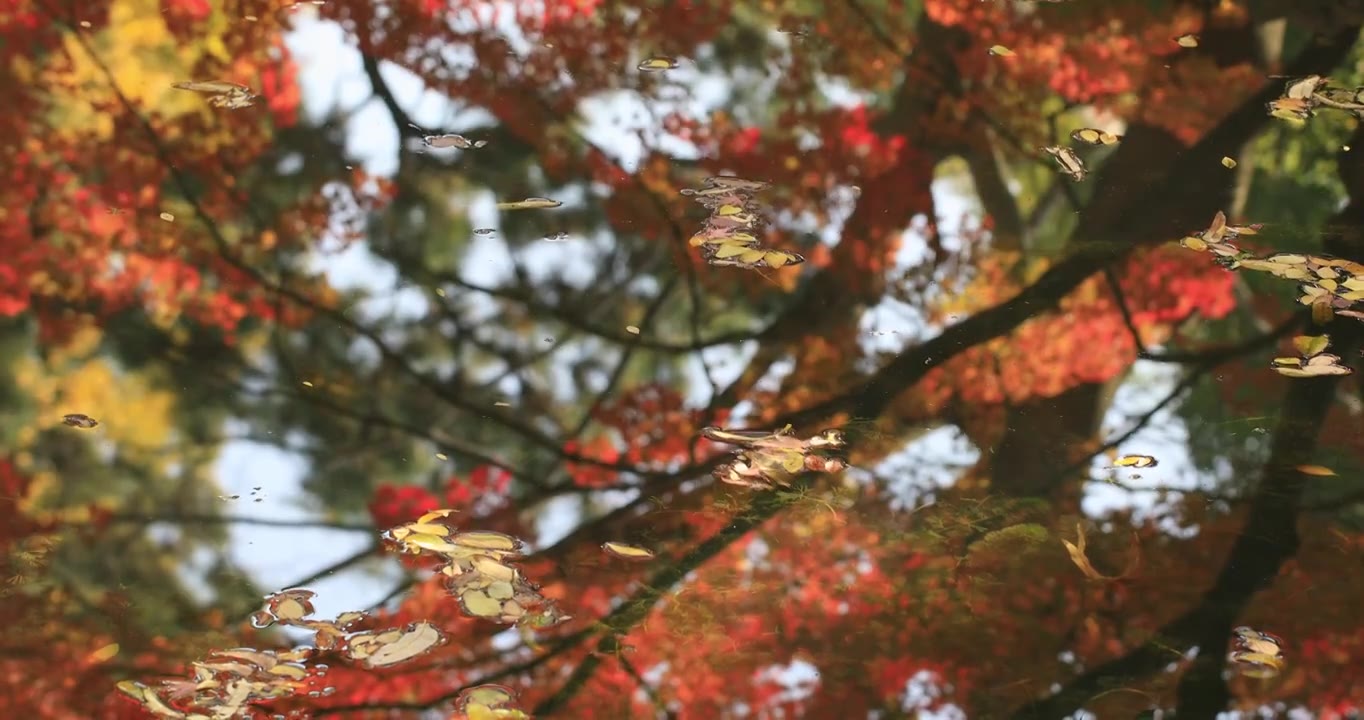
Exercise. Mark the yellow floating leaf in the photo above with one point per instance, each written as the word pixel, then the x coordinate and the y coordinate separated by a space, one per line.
pixel 1001 51
pixel 1136 461
pixel 416 640
pixel 534 203
pixel 1309 345
pixel 104 653
pixel 1317 470
pixel 1187 41
pixel 627 552
pixel 1228 162
pixel 632 329
pixel 657 64
pixel 488 540
pixel 167 217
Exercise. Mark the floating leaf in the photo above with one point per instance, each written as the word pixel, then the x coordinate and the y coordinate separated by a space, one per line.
pixel 1091 136
pixel 487 540
pixel 222 94
pixel 479 604
pixel 1070 163
pixel 1001 51
pixel 632 329
pixel 417 639
pixel 167 217
pixel 1228 162
pixel 627 552
pixel 1136 461
pixel 104 653
pixel 534 203
pixel 657 64
pixel 1316 470
pixel 1309 345
pixel 80 421
pixel 1077 556
pixel 1188 40
pixel 1323 365
pixel 452 140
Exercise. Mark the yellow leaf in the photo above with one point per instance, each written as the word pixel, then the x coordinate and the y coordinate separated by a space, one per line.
pixel 104 653
pixel 1317 470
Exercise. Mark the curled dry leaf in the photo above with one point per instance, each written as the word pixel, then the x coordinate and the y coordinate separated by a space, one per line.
pixel 1077 556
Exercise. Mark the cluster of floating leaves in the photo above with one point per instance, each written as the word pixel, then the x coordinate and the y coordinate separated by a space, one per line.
pixel 479 570
pixel 769 460
pixel 1303 96
pixel 1314 360
pixel 1330 286
pixel 225 682
pixel 1256 654
pixel 728 238
pixel 222 94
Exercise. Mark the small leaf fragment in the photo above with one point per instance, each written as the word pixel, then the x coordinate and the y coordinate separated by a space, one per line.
pixel 1316 470
pixel 1001 51
pixel 1228 162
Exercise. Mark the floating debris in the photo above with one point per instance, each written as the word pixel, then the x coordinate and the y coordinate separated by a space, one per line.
pixel 79 421
pixel 167 217
pixel 632 329
pixel 534 203
pixel 1188 40
pixel 657 64
pixel 1228 163
pixel 557 237
pixel 230 96
pixel 484 231
pixel 627 552
pixel 1316 470
pixel 1001 51
pixel 1070 163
